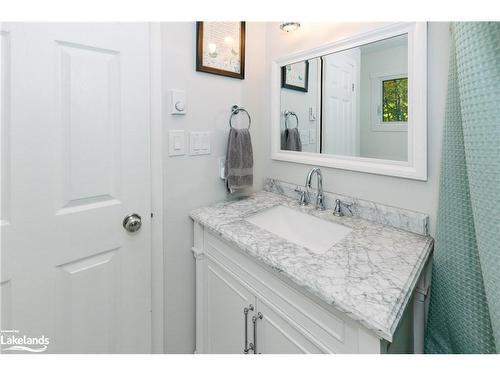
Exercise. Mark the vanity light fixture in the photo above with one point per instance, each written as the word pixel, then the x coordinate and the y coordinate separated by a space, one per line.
pixel 289 26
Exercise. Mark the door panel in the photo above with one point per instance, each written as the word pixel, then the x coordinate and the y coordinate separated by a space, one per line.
pixel 226 299
pixel 88 94
pixel 276 334
pixel 341 71
pixel 81 327
pixel 5 178
pixel 78 142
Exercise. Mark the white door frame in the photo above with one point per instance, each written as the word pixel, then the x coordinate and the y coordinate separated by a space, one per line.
pixel 156 140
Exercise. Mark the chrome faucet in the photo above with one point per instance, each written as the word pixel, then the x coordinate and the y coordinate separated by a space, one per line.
pixel 319 196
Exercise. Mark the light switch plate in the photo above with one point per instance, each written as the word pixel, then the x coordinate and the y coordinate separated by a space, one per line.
pixel 199 143
pixel 176 142
pixel 304 136
pixel 178 102
pixel 312 135
pixel 312 114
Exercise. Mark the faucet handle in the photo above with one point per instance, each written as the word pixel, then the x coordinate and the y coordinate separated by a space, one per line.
pixel 337 211
pixel 303 201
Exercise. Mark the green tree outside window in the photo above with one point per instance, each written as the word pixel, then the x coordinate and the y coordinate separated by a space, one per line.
pixel 395 100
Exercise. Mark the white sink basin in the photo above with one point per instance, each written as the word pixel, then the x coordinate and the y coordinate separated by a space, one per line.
pixel 316 234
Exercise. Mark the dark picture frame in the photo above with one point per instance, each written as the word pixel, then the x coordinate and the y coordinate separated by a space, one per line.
pixel 208 69
pixel 286 85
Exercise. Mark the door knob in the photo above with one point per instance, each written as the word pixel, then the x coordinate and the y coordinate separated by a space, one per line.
pixel 132 223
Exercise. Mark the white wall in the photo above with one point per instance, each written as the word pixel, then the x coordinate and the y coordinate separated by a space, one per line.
pixel 415 195
pixel 391 145
pixel 192 181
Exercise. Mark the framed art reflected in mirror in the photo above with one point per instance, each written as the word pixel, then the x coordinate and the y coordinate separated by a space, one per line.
pixel 295 76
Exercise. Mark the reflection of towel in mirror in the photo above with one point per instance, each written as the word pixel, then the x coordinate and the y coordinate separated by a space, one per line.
pixel 290 140
pixel 239 160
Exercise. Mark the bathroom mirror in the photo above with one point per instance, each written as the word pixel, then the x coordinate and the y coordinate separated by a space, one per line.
pixel 357 104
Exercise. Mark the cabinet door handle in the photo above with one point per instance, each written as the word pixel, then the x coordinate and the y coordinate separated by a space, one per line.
pixel 245 313
pixel 254 321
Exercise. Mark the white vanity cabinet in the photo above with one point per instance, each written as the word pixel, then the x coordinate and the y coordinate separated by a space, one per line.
pixel 280 316
pixel 232 312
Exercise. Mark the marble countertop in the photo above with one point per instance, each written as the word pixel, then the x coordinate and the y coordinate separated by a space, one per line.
pixel 369 275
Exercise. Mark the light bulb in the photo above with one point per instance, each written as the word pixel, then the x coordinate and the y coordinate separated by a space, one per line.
pixel 289 26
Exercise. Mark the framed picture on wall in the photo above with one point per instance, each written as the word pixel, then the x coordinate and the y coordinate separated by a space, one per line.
pixel 295 76
pixel 220 48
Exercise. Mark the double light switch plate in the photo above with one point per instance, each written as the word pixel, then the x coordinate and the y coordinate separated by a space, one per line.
pixel 199 143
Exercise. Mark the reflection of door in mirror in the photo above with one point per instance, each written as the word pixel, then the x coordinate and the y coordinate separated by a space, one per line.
pixel 340 133
pixel 306 109
pixel 365 101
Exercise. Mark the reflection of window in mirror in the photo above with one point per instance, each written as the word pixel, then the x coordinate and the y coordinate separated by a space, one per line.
pixel 390 102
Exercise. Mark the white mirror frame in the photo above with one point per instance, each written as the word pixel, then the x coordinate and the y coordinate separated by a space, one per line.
pixel 416 166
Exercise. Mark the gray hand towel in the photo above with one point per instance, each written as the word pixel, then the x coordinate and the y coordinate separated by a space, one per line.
pixel 290 140
pixel 239 160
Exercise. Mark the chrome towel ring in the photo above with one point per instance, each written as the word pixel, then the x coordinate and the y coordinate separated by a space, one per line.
pixel 287 115
pixel 234 111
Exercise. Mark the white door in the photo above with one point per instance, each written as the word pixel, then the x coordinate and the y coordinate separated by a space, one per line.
pixel 225 314
pixel 340 133
pixel 278 334
pixel 75 162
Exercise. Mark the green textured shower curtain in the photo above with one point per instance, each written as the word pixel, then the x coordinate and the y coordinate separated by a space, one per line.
pixel 464 311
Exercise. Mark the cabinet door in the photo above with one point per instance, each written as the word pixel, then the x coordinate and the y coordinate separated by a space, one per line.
pixel 226 300
pixel 277 334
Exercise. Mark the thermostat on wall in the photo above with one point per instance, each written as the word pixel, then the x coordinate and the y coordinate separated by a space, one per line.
pixel 177 102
